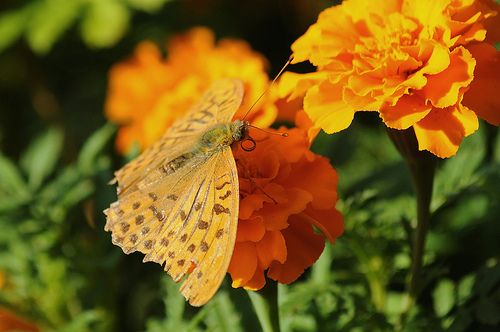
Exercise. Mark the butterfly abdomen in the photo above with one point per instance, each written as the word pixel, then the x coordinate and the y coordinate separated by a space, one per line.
pixel 176 163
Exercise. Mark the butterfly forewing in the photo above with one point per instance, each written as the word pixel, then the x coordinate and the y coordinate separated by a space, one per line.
pixel 178 203
pixel 217 105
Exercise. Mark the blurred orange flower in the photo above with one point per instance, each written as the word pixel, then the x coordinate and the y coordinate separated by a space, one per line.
pixel 12 322
pixel 279 237
pixel 147 92
pixel 427 64
pixel 9 321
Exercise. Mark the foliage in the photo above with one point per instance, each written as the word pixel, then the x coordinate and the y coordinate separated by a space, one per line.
pixel 59 269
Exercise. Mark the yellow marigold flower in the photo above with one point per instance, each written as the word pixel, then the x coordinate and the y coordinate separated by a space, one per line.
pixel 147 92
pixel 427 64
pixel 279 237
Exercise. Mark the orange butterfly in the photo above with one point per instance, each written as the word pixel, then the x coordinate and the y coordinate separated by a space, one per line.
pixel 178 202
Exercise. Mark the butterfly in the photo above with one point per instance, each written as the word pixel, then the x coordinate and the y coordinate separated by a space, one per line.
pixel 178 202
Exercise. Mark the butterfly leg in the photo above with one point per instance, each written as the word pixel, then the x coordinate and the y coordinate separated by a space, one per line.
pixel 238 162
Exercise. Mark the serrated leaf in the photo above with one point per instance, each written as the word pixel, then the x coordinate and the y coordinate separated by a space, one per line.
pixel 12 25
pixel 444 297
pixel 41 157
pixel 48 22
pixel 104 23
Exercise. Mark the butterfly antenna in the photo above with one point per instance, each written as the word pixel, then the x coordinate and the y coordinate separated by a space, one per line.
pixel 263 93
pixel 269 132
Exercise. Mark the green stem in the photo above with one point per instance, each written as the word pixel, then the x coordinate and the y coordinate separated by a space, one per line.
pixel 422 175
pixel 265 303
pixel 421 166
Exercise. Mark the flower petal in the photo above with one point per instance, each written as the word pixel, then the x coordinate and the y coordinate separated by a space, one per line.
pixel 250 230
pixel 272 247
pixel 295 85
pixel 322 188
pixel 303 121
pixel 442 130
pixel 443 89
pixel 243 263
pixel 304 248
pixel 329 222
pixel 482 96
pixel 325 106
pixel 408 110
pixel 276 216
pixel 258 280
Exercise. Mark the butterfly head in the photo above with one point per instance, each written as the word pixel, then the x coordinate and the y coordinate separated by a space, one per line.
pixel 241 134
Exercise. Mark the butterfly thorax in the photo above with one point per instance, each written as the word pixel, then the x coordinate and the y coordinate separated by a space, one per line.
pixel 214 139
pixel 223 135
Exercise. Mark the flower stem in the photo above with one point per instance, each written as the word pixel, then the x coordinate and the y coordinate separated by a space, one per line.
pixel 421 166
pixel 422 175
pixel 265 303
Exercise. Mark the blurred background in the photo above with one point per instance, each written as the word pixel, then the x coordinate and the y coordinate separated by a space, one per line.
pixel 58 268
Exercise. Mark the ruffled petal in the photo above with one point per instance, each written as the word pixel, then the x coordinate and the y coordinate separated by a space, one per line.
pixel 442 130
pixel 443 89
pixel 325 106
pixel 304 248
pixel 272 247
pixel 276 217
pixel 408 110
pixel 250 230
pixel 323 189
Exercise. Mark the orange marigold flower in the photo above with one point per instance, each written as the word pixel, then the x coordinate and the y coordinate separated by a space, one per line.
pixel 147 92
pixel 279 237
pixel 426 64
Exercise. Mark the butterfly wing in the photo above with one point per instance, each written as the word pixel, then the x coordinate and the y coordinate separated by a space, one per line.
pixel 185 218
pixel 217 105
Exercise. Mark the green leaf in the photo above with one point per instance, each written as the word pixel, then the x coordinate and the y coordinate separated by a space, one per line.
pixel 147 5
pixel 11 180
pixel 464 289
pixel 82 321
pixel 50 19
pixel 92 148
pixel 78 193
pixel 12 26
pixel 41 157
pixel 444 297
pixel 104 23
pixel 223 316
pixel 457 172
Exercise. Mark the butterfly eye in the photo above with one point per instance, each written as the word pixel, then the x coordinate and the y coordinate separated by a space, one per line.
pixel 248 148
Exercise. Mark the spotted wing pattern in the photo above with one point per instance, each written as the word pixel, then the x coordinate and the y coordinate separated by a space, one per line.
pixel 183 211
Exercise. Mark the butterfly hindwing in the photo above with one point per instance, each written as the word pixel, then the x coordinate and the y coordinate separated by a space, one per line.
pixel 220 218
